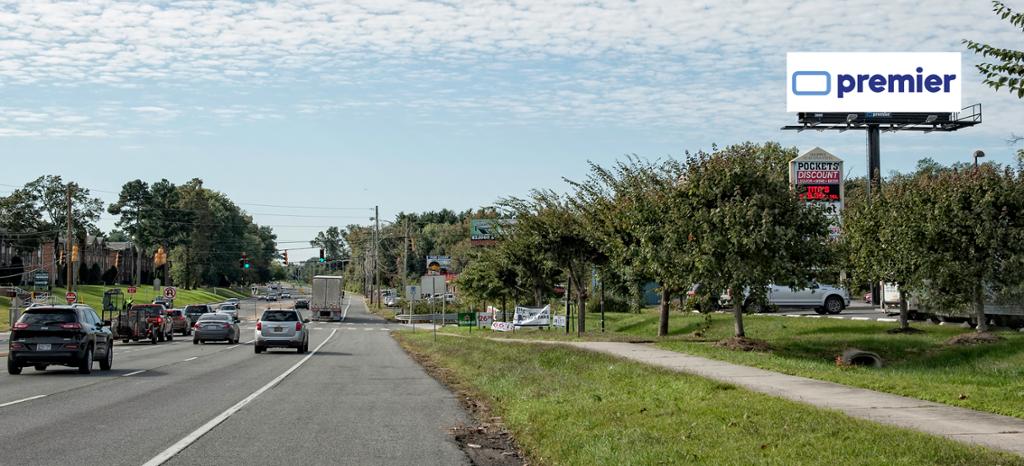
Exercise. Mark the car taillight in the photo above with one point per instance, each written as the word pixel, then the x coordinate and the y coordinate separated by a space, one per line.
pixel 195 325
pixel 20 325
pixel 159 320
pixel 71 325
pixel 71 346
pixel 17 346
pixel 227 325
pixel 298 326
pixel 259 325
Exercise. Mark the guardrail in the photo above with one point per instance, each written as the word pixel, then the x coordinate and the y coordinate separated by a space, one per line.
pixel 443 318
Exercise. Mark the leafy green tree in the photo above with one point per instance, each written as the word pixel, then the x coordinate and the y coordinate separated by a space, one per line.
pixel 747 228
pixel 883 237
pixel 1007 69
pixel 50 195
pixel 974 234
pixel 635 212
pixel 556 229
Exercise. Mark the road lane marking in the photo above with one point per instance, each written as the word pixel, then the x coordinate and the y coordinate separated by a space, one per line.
pixel 4 405
pixel 860 318
pixel 193 358
pixel 344 313
pixel 233 347
pixel 191 438
pixel 133 373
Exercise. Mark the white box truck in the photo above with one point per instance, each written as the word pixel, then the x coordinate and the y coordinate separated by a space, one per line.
pixel 328 298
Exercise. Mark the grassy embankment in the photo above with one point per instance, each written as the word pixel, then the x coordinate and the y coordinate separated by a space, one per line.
pixel 93 296
pixel 987 377
pixel 567 406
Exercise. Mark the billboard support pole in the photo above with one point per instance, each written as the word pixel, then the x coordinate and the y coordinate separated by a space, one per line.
pixel 874 184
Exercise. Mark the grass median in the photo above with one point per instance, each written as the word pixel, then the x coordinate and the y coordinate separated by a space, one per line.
pixel 567 406
pixel 987 377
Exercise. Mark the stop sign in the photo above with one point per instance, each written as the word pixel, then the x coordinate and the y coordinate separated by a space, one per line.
pixel 72 297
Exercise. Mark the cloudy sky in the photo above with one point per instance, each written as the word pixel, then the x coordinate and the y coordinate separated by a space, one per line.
pixel 417 105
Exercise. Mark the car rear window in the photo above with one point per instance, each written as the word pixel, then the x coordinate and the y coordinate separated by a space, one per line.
pixel 175 313
pixel 279 316
pixel 213 317
pixel 48 316
pixel 195 309
pixel 227 308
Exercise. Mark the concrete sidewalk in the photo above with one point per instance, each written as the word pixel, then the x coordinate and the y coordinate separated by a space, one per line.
pixel 965 425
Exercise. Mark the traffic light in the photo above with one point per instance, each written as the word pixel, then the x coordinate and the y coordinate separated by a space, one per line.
pixel 244 261
pixel 159 257
pixel 74 253
pixel 286 258
pixel 322 255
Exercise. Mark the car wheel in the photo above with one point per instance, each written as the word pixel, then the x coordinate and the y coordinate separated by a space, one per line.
pixel 833 305
pixel 195 341
pixel 170 335
pixel 821 310
pixel 85 365
pixel 152 338
pixel 259 349
pixel 12 367
pixel 108 361
pixel 40 367
pixel 125 341
pixel 159 336
pixel 755 307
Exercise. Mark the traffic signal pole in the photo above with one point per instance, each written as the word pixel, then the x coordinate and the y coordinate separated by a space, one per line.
pixel 874 185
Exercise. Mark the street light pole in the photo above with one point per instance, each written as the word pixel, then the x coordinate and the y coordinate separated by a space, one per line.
pixel 977 155
pixel 376 248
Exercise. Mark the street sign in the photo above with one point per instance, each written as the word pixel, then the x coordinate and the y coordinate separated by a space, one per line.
pixel 817 177
pixel 170 292
pixel 41 279
pixel 131 290
pixel 467 319
pixel 72 297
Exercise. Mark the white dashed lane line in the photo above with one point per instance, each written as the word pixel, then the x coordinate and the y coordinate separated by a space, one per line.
pixel 133 373
pixel 4 405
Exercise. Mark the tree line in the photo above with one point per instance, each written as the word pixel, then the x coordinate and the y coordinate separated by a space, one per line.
pixel 201 231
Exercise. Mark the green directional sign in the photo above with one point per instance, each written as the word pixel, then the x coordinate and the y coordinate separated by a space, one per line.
pixel 467 319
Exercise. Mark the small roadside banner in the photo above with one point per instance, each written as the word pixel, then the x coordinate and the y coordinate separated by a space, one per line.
pixel 484 319
pixel 467 319
pixel 558 321
pixel 503 326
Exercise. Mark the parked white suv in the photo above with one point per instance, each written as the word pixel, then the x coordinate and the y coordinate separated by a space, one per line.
pixel 824 299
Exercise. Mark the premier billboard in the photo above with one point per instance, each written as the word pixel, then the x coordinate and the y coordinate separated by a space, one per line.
pixel 873 82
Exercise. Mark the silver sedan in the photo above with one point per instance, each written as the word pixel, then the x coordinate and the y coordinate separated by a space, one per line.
pixel 215 327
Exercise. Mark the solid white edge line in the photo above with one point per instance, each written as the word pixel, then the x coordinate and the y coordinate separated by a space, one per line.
pixel 193 358
pixel 344 314
pixel 205 428
pixel 9 403
pixel 133 373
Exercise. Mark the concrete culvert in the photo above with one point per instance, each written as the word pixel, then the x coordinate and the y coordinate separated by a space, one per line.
pixel 856 357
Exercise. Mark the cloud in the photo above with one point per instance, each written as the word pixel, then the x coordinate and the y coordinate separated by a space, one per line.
pixel 663 66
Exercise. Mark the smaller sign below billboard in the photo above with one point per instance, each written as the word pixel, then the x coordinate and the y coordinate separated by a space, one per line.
pixel 438 265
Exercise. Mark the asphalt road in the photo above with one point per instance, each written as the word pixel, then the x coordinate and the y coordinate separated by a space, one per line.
pixel 358 399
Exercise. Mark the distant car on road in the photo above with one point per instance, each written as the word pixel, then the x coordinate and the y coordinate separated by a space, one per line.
pixel 301 304
pixel 166 303
pixel 391 301
pixel 194 311
pixel 60 335
pixel 180 322
pixel 286 295
pixel 282 328
pixel 215 327
pixel 234 301
pixel 229 309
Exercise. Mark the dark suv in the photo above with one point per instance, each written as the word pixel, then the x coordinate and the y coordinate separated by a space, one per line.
pixel 71 336
pixel 194 311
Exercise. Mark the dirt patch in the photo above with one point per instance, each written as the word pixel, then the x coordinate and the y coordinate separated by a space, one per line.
pixel 486 442
pixel 904 331
pixel 973 338
pixel 744 344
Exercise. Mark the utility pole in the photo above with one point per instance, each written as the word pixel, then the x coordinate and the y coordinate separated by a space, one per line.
pixel 67 240
pixel 376 259
pixel 405 274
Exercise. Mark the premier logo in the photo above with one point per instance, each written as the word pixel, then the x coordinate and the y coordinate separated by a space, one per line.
pixel 873 82
pixel 877 83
